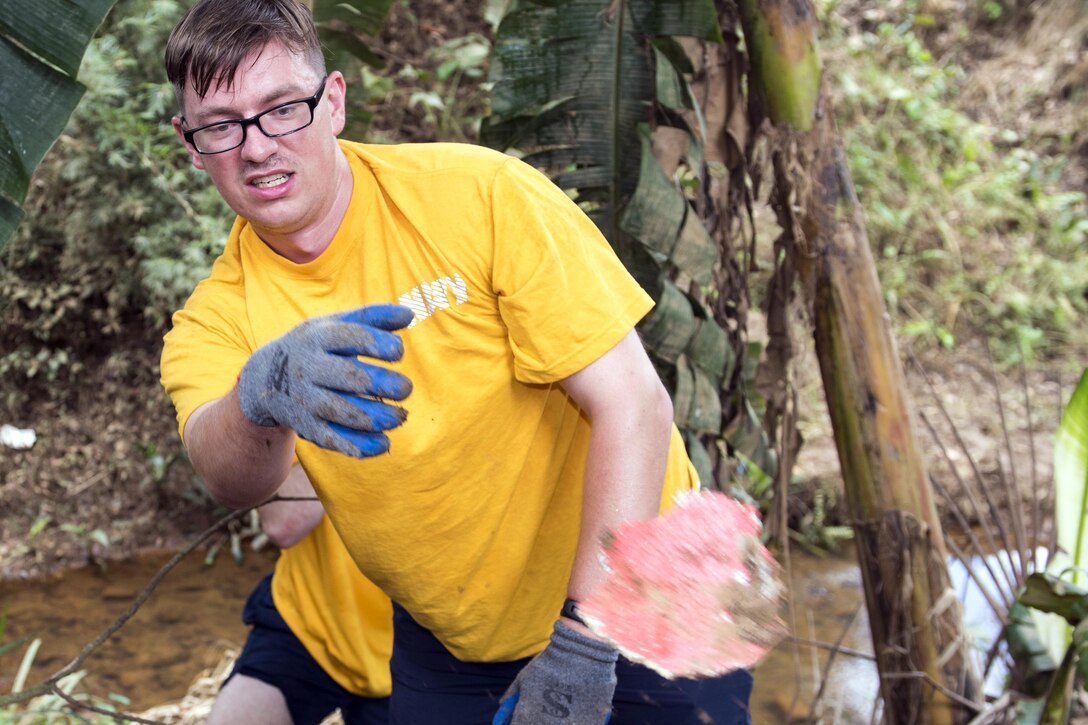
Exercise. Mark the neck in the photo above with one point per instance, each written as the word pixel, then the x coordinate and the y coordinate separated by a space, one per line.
pixel 306 245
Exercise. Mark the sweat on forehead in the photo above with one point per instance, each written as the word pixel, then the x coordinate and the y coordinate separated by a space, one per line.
pixel 216 37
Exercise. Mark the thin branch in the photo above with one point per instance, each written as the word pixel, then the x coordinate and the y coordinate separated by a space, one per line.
pixel 118 716
pixel 49 684
pixel 925 677
pixel 969 490
pixel 832 647
pixel 957 510
pixel 830 661
pixel 145 594
pixel 1011 482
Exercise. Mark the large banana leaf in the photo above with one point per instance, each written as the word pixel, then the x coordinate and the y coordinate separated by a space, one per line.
pixel 41 46
pixel 579 86
pixel 573 82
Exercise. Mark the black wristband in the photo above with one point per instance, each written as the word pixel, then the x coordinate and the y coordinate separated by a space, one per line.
pixel 570 611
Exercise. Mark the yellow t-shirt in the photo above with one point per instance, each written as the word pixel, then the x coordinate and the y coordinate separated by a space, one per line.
pixel 470 522
pixel 344 621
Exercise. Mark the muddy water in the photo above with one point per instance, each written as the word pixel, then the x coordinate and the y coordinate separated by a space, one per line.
pixel 194 615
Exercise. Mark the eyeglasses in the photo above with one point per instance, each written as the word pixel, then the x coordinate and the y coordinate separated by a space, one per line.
pixel 281 120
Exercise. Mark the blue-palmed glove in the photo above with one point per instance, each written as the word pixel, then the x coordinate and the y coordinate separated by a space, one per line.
pixel 570 683
pixel 309 380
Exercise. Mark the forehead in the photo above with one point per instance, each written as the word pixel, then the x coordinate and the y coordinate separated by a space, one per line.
pixel 264 77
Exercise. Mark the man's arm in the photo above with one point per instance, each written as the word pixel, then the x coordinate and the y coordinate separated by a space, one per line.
pixel 308 381
pixel 286 522
pixel 241 463
pixel 631 414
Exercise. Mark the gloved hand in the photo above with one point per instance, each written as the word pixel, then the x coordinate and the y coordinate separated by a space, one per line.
pixel 570 683
pixel 310 381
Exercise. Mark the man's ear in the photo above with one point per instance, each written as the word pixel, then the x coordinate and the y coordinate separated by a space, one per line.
pixel 197 159
pixel 336 93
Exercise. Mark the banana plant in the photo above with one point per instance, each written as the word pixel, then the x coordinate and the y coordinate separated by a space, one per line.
pixel 579 88
pixel 1048 651
pixel 42 43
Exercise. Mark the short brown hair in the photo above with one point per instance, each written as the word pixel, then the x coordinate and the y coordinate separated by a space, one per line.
pixel 215 36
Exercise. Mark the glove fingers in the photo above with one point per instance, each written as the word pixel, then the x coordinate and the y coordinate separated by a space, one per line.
pixel 383 382
pixel 506 710
pixel 348 375
pixel 367 444
pixel 358 413
pixel 326 435
pixel 340 338
pixel 386 317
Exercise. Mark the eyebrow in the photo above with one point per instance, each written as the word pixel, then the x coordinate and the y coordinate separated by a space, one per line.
pixel 266 101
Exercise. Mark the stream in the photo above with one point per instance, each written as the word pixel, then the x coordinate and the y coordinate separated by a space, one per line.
pixel 194 616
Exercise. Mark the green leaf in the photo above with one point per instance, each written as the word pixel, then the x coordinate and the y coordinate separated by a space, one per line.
pixel 1071 478
pixel 55 31
pixel 1034 664
pixel 342 25
pixel 597 58
pixel 38 526
pixel 364 16
pixel 747 436
pixel 340 40
pixel 41 45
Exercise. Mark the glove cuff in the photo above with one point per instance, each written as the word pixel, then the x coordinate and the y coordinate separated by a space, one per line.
pixel 567 639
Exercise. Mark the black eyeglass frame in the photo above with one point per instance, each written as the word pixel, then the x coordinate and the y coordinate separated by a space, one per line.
pixel 310 101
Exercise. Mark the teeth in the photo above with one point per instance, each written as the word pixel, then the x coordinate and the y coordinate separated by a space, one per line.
pixel 270 181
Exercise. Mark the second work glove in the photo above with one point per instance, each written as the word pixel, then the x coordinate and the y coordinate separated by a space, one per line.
pixel 310 381
pixel 570 683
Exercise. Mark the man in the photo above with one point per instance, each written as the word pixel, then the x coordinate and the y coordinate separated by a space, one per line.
pixel 535 422
pixel 321 633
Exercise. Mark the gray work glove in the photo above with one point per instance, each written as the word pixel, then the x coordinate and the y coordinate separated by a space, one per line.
pixel 570 683
pixel 310 381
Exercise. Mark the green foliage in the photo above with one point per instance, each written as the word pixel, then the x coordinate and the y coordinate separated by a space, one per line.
pixel 40 56
pixel 579 89
pixel 970 229
pixel 119 226
pixel 452 114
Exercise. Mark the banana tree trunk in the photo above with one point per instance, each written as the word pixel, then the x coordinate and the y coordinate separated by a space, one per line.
pixel 915 617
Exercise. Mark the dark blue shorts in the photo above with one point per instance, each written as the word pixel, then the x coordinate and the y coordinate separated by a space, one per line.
pixel 432 687
pixel 275 656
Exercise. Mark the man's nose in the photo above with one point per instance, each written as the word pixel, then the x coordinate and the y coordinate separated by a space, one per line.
pixel 256 146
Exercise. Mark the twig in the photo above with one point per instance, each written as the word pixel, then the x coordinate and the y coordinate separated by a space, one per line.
pixel 1008 574
pixel 925 677
pixel 118 716
pixel 830 661
pixel 1012 482
pixel 957 510
pixel 49 685
pixel 832 647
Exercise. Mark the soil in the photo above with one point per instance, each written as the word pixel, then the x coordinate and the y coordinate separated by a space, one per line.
pixel 108 478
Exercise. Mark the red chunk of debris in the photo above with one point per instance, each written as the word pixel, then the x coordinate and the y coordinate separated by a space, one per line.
pixel 692 592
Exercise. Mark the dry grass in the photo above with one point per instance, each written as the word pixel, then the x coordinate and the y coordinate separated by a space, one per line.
pixel 195 706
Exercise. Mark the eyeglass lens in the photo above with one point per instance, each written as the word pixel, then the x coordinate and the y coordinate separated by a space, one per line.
pixel 278 121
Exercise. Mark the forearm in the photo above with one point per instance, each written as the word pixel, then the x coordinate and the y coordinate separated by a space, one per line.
pixel 624 474
pixel 241 463
pixel 287 522
pixel 630 414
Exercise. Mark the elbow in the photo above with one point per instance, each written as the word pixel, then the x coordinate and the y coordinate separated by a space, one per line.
pixel 225 494
pixel 282 534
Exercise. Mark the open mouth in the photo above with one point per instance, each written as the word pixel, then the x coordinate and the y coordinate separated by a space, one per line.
pixel 267 182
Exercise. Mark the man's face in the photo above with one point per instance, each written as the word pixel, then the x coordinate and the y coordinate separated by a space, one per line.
pixel 286 185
